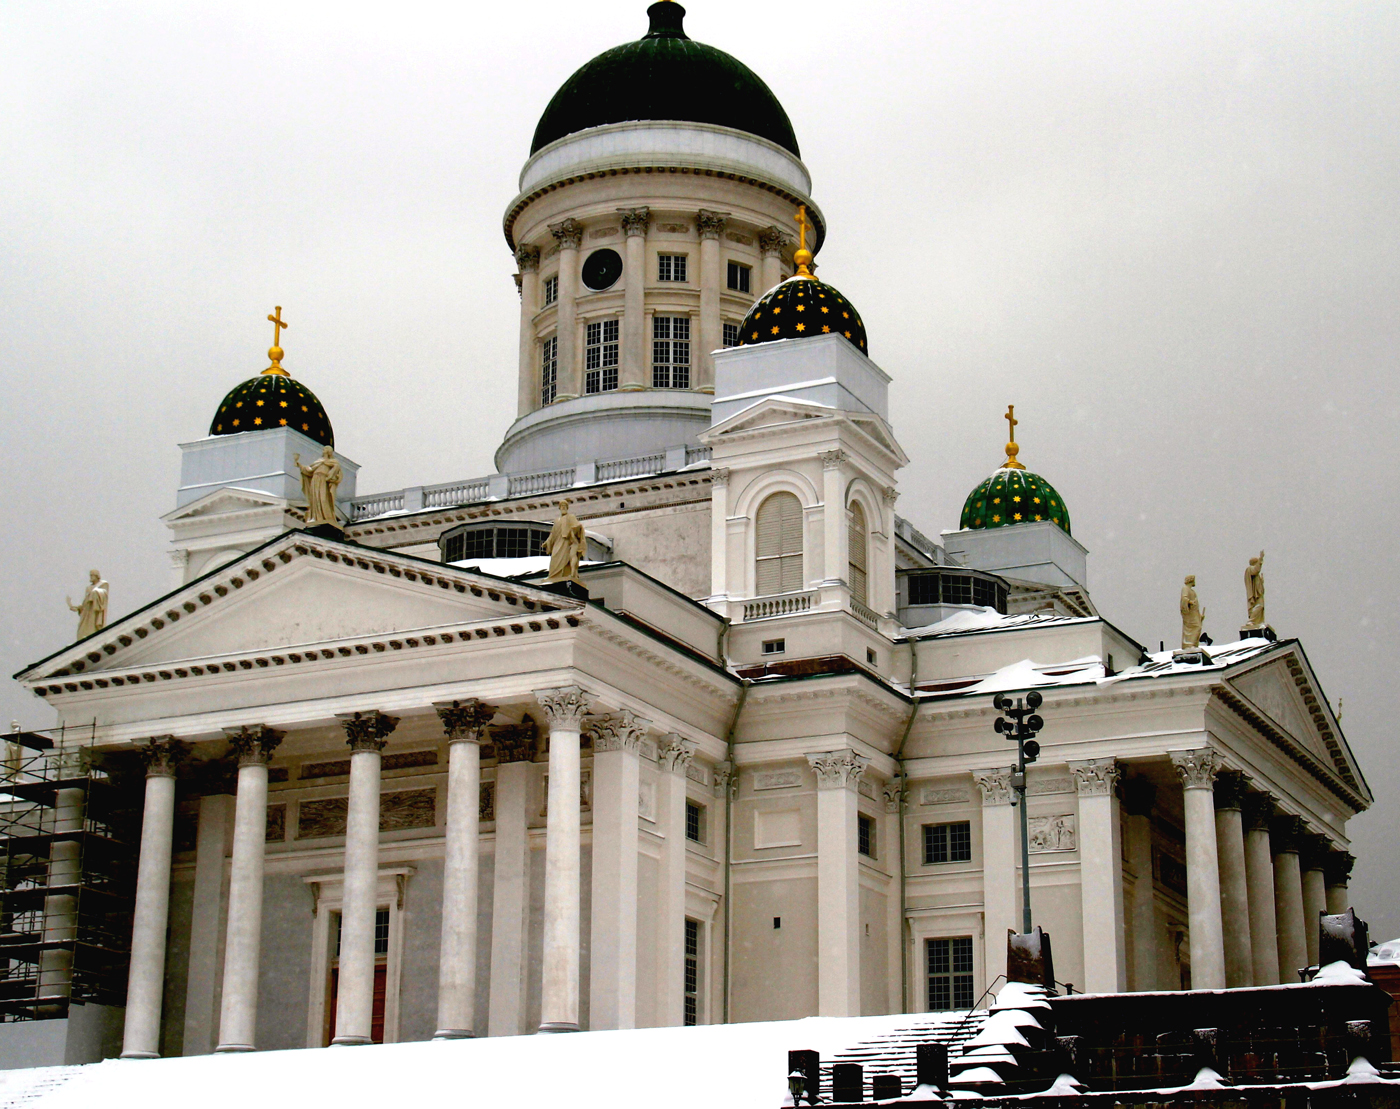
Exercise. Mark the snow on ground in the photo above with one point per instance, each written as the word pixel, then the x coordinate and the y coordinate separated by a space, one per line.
pixel 737 1066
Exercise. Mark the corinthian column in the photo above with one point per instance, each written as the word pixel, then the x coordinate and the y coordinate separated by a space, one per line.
pixel 1337 869
pixel 770 242
pixel 835 530
pixel 528 259
pixel 1257 809
pixel 1286 832
pixel 146 979
pixel 564 710
pixel 998 865
pixel 510 889
pixel 1234 885
pixel 464 722
pixel 1312 854
pixel 711 225
pixel 838 882
pixel 365 735
pixel 674 757
pixel 568 234
pixel 1197 772
pixel 1138 797
pixel 252 747
pixel 1101 876
pixel 612 952
pixel 635 344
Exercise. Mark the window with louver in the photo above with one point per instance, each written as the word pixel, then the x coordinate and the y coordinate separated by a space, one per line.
pixel 779 545
pixel 857 542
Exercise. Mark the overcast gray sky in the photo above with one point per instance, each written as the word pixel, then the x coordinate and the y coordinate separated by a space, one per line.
pixel 1169 233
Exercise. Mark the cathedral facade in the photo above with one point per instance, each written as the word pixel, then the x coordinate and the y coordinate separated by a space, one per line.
pixel 405 771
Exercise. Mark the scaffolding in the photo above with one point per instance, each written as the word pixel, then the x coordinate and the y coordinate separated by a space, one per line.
pixel 68 836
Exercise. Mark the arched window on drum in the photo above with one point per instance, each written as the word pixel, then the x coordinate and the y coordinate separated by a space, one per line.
pixel 857 538
pixel 779 545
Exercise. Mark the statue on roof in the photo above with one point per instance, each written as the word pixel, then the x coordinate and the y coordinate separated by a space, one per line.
pixel 1254 592
pixel 1193 615
pixel 565 546
pixel 92 612
pixel 318 485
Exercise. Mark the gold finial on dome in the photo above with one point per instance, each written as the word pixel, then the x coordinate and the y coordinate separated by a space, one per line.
pixel 803 257
pixel 1012 450
pixel 275 352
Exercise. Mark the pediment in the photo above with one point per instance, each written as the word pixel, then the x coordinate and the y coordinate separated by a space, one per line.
pixel 223 501
pixel 769 412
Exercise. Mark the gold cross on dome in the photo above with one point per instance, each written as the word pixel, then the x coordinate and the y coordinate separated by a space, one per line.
pixel 1012 450
pixel 277 327
pixel 804 224
pixel 1010 416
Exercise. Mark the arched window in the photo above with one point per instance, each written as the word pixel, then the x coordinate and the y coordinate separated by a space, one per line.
pixel 779 544
pixel 856 541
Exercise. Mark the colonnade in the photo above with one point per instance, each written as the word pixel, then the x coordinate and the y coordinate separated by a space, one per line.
pixel 613 942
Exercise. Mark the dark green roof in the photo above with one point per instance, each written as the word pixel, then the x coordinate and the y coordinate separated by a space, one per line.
pixel 665 75
pixel 800 308
pixel 272 400
pixel 1014 496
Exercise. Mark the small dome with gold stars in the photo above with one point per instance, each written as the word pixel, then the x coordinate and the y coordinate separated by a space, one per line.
pixel 271 400
pixel 1013 495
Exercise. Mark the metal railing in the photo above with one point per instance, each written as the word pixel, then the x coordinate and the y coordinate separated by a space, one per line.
pixel 780 604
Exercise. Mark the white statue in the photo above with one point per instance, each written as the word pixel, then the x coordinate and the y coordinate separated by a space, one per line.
pixel 1254 591
pixel 565 546
pixel 318 485
pixel 1193 616
pixel 92 613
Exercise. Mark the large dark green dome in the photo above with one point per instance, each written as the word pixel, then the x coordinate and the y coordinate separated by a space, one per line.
pixel 800 308
pixel 272 400
pixel 1014 495
pixel 665 75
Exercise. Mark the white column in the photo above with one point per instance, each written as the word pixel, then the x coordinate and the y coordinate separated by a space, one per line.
pixel 146 977
pixel 1101 876
pixel 1285 833
pixel 1258 810
pixel 510 894
pixel 208 917
pixel 999 899
pixel 465 724
pixel 1234 884
pixel 354 1012
pixel 528 388
pixel 711 226
pixel 835 535
pixel 719 536
pixel 895 799
pixel 674 756
pixel 612 951
pixel 1138 797
pixel 1313 851
pixel 838 882
pixel 568 234
pixel 1338 871
pixel 1197 772
pixel 636 343
pixel 60 911
pixel 564 710
pixel 238 1017
pixel 770 243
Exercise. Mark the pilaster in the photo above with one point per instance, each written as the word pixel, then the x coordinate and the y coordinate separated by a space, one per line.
pixel 674 756
pixel 999 897
pixel 838 881
pixel 1100 875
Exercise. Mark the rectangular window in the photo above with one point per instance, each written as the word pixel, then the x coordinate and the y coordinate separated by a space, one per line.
pixel 694 821
pixel 670 267
pixel 739 277
pixel 950 973
pixel 600 357
pixel 731 335
pixel 551 290
pixel 692 971
pixel 381 932
pixel 865 835
pixel 549 369
pixel 774 646
pixel 947 843
pixel 670 352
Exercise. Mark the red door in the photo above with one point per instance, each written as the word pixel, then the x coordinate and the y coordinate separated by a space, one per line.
pixel 376 1022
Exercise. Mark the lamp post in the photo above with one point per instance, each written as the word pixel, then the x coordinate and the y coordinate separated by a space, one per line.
pixel 1019 723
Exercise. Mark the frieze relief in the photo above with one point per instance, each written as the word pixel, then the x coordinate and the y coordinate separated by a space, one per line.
pixel 399 810
pixel 777 779
pixel 486 808
pixel 931 795
pixel 1049 834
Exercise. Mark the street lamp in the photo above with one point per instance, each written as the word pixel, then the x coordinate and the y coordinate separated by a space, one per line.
pixel 1020 724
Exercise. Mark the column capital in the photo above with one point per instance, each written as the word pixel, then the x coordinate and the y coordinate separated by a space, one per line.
pixel 890 495
pixel 367 731
pixel 464 721
pixel 711 224
pixel 1095 777
pixel 162 755
pixel 831 460
pixel 837 769
pixel 564 707
pixel 994 784
pixel 719 475
pixel 1230 786
pixel 1337 867
pixel 1196 768
pixel 1287 831
pixel 618 731
pixel 1139 794
pixel 894 795
pixel 771 241
pixel 635 221
pixel 1313 850
pixel 1258 809
pixel 253 746
pixel 515 742
pixel 527 257
pixel 567 233
pixel 724 775
pixel 674 754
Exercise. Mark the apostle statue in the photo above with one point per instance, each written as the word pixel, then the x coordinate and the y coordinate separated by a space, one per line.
pixel 318 485
pixel 92 613
pixel 1192 615
pixel 565 546
pixel 1254 591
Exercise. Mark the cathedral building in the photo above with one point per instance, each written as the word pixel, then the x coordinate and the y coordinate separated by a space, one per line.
pixel 712 742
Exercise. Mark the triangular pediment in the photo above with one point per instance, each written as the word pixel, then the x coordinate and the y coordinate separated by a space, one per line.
pixel 769 412
pixel 223 501
pixel 297 591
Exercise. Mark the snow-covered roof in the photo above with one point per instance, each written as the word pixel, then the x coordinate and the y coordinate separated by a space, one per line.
pixel 510 567
pixel 975 618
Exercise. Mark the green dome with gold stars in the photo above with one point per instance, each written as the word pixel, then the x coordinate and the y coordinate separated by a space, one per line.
pixel 800 308
pixel 1013 495
pixel 272 400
